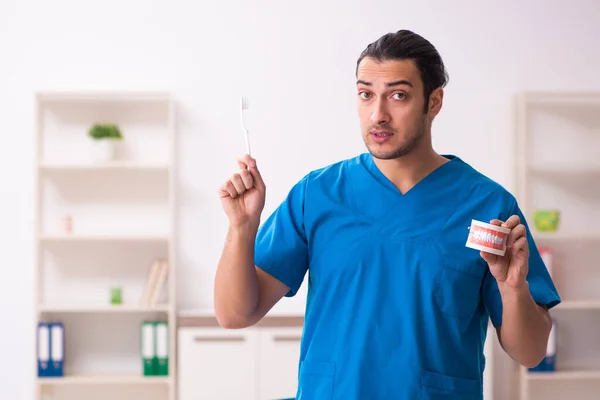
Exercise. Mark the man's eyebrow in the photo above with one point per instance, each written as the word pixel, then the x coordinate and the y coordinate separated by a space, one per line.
pixel 389 84
pixel 400 82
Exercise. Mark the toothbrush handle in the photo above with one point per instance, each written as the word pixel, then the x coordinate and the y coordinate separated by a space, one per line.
pixel 248 144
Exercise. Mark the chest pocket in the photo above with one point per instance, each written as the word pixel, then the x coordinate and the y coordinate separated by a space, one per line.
pixel 457 291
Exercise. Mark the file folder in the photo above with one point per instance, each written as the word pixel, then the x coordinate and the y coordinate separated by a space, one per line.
pixel 43 350
pixel 148 348
pixel 57 348
pixel 162 348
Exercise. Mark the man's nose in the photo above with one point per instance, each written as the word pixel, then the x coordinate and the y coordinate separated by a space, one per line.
pixel 380 113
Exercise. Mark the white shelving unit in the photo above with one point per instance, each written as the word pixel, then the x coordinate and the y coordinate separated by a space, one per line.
pixel 558 167
pixel 122 216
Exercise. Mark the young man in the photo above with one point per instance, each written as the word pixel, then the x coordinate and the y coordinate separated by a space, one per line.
pixel 397 306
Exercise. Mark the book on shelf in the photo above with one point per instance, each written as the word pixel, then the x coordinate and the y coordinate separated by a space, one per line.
pixel 155 284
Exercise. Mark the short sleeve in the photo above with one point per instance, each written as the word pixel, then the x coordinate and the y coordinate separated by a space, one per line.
pixel 281 247
pixel 541 286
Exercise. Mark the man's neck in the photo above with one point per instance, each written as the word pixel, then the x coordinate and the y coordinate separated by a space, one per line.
pixel 405 172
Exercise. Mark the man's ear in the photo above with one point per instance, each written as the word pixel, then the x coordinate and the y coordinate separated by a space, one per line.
pixel 436 100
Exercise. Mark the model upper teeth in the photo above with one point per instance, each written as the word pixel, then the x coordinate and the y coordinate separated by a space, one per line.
pixel 487 237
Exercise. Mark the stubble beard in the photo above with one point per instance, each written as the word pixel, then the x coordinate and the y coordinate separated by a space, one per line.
pixel 403 149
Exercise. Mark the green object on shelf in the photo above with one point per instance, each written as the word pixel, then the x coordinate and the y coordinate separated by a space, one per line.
pixel 162 348
pixel 148 348
pixel 116 296
pixel 154 342
pixel 546 220
pixel 105 131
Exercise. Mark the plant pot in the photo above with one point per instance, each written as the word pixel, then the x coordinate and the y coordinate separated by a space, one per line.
pixel 103 150
pixel 116 296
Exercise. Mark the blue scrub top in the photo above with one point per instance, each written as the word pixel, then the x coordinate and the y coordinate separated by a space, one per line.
pixel 397 306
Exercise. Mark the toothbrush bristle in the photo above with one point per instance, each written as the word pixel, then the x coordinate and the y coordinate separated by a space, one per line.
pixel 244 101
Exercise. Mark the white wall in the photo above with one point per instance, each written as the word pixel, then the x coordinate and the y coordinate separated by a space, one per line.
pixel 295 62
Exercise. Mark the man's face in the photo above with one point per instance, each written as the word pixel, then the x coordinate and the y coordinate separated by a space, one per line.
pixel 390 107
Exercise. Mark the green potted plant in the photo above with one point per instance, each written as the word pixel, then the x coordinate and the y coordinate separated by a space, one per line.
pixel 104 138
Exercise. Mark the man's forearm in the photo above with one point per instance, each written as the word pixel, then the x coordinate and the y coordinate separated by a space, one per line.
pixel 525 326
pixel 236 281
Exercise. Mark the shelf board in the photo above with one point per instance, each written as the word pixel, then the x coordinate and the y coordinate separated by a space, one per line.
pixel 104 380
pixel 566 236
pixel 579 305
pixel 568 170
pixel 103 238
pixel 564 375
pixel 102 308
pixel 103 96
pixel 562 98
pixel 113 166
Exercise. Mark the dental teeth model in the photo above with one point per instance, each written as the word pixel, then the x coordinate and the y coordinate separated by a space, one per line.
pixel 487 237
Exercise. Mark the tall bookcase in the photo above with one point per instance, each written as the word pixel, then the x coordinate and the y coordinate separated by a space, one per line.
pixel 100 226
pixel 558 167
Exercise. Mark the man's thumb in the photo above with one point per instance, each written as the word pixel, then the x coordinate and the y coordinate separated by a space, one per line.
pixel 258 180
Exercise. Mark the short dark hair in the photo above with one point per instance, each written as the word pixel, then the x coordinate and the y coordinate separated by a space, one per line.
pixel 407 45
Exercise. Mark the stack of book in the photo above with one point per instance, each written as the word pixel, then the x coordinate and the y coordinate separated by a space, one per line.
pixel 155 283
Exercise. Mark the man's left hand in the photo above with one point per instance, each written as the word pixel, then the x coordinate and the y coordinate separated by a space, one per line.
pixel 510 269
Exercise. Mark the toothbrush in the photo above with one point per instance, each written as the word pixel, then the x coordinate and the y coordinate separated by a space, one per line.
pixel 244 106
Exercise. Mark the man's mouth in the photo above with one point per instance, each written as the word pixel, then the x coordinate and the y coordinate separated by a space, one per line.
pixel 381 133
pixel 381 136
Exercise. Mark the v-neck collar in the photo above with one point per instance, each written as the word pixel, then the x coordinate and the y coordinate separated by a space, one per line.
pixel 369 162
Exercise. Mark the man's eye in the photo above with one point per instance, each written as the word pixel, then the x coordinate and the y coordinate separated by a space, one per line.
pixel 364 95
pixel 400 96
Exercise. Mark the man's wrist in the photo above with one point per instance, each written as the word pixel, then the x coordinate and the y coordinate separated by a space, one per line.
pixel 520 291
pixel 249 227
pixel 243 233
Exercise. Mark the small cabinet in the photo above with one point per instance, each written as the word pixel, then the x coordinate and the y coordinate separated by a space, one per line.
pixel 257 363
pixel 278 362
pixel 217 364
